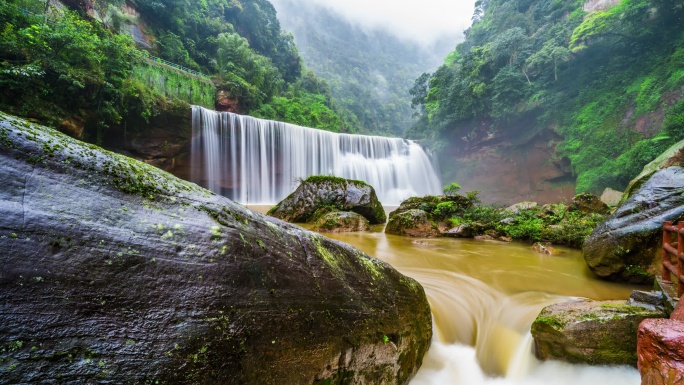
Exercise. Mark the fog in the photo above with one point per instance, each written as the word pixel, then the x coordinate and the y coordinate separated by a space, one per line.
pixel 423 22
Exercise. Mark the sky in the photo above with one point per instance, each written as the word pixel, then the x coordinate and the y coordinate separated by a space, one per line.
pixel 423 21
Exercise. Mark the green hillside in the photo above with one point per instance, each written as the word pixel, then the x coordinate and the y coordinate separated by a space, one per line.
pixel 610 82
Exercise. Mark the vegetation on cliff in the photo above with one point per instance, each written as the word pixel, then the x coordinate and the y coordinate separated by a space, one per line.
pixel 73 70
pixel 609 82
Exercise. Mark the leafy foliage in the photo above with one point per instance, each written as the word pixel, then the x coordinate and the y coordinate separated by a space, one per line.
pixel 451 189
pixel 529 65
pixel 68 64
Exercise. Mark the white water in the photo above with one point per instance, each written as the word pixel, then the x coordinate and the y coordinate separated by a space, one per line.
pixel 259 161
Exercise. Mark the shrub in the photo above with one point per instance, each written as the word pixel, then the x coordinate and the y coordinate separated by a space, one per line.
pixel 451 189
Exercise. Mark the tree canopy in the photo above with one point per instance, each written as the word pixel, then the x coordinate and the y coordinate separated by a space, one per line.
pixel 532 65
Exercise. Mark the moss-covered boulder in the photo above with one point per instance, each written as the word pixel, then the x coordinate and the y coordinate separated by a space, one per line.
pixel 341 222
pixel 436 207
pixel 116 272
pixel 590 332
pixel 316 192
pixel 412 223
pixel 626 247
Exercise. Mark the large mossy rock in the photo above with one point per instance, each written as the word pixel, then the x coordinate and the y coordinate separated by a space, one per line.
pixel 316 192
pixel 626 247
pixel 590 332
pixel 116 272
pixel 412 223
pixel 341 222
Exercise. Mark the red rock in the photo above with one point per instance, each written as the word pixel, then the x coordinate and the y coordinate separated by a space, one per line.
pixel 660 351
pixel 678 312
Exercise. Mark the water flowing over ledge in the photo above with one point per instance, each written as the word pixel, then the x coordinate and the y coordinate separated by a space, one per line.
pixel 259 161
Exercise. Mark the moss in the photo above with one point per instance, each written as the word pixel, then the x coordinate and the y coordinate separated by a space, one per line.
pixel 638 273
pixel 553 322
pixel 318 179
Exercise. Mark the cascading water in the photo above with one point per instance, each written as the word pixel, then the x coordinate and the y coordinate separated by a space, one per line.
pixel 258 161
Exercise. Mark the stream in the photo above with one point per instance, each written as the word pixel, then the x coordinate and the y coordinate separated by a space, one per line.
pixel 484 296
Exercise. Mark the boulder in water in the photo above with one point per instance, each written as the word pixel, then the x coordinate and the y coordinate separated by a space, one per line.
pixel 626 247
pixel 116 272
pixel 412 223
pixel 319 191
pixel 590 332
pixel 340 222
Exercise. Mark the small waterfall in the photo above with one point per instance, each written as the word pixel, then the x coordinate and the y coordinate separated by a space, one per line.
pixel 260 161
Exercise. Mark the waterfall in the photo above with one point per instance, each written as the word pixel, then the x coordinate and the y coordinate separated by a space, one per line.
pixel 259 161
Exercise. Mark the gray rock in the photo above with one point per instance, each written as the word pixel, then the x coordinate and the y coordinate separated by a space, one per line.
pixel 116 272
pixel 626 246
pixel 460 231
pixel 673 156
pixel 518 207
pixel 654 299
pixel 611 197
pixel 508 221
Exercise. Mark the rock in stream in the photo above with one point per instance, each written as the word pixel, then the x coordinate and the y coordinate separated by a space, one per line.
pixel 116 272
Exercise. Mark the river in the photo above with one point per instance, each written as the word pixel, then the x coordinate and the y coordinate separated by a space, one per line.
pixel 484 296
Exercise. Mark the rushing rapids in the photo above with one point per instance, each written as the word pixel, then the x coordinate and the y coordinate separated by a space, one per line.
pixel 258 161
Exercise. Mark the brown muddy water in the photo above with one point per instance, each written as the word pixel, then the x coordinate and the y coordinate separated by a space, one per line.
pixel 484 296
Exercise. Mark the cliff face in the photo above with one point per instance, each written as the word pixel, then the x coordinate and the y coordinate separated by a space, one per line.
pixel 506 172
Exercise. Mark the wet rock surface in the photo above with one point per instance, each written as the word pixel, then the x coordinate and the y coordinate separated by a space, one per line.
pixel 341 222
pixel 116 272
pixel 317 192
pixel 590 332
pixel 626 247
pixel 661 351
pixel 412 223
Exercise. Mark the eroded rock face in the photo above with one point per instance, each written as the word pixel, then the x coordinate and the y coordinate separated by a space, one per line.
pixel 412 223
pixel 661 351
pixel 590 332
pixel 113 271
pixel 626 247
pixel 341 222
pixel 318 191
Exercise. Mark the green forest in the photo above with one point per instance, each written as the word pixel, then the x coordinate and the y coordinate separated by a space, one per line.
pixel 79 72
pixel 609 83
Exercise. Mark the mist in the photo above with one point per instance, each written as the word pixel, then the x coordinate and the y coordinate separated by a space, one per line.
pixel 425 23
